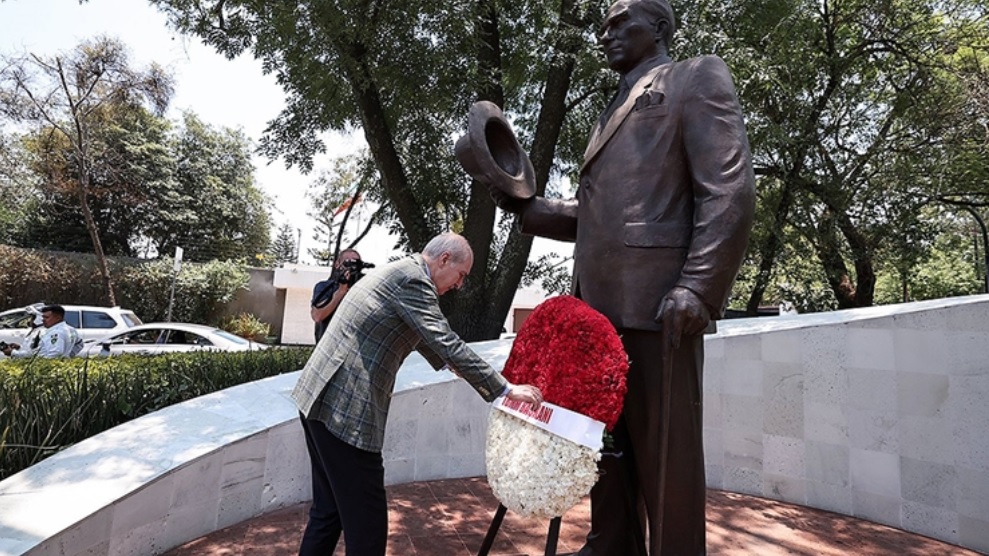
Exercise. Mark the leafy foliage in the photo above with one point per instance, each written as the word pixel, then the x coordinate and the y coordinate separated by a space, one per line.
pixel 248 326
pixel 47 405
pixel 65 98
pixel 28 276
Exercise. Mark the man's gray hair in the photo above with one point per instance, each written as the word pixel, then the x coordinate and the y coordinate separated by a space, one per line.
pixel 448 242
pixel 660 10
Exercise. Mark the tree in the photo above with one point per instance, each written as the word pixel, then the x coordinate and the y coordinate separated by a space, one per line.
pixel 284 248
pixel 845 141
pixel 139 166
pixel 214 209
pixel 406 73
pixel 335 194
pixel 66 97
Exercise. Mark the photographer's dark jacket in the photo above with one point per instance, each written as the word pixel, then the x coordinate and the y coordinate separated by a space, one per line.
pixel 321 295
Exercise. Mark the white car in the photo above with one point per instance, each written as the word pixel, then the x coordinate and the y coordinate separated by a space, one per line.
pixel 168 337
pixel 91 322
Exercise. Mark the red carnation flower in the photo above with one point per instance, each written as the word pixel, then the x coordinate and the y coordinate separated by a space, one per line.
pixel 573 355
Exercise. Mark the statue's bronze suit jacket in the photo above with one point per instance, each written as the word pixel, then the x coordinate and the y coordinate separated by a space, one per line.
pixel 666 196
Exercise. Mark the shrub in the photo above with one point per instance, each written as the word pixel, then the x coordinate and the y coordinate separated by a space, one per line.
pixel 248 326
pixel 47 405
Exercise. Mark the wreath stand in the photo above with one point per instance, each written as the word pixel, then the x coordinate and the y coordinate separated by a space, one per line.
pixel 552 536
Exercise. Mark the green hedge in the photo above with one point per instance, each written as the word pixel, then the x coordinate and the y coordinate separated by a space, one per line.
pixel 46 405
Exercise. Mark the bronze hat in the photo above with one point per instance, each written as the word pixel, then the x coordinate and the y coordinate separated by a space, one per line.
pixel 491 153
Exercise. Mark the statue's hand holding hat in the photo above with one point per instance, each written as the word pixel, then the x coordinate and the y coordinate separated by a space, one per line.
pixel 491 154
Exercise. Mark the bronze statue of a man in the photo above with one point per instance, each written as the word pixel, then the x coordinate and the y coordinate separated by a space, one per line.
pixel 661 222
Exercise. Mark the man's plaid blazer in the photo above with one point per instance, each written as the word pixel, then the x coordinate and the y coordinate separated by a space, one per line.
pixel 348 380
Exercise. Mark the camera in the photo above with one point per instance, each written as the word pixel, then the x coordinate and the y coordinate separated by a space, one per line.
pixel 353 270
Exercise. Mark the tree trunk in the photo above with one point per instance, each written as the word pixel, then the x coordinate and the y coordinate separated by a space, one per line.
pixel 769 250
pixel 94 235
pixel 481 314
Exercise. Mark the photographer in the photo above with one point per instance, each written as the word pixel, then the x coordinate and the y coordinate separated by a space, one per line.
pixel 327 294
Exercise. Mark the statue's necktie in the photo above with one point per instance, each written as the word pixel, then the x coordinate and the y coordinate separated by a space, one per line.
pixel 620 97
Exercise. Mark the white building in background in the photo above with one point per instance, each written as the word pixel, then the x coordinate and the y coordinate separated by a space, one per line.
pixel 298 282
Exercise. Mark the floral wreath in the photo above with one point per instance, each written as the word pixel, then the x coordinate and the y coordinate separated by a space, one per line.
pixel 573 355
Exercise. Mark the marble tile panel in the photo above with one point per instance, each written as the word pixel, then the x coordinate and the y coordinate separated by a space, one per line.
pixel 927 439
pixel 967 316
pixel 713 410
pixel 143 506
pixel 933 522
pixel 433 467
pixel 825 422
pixel 828 463
pixel 287 467
pixel 783 456
pixel 400 471
pixel 189 522
pixel 433 437
pixel 921 351
pixel 243 462
pixel 145 539
pixel 921 395
pixel 974 533
pixel 742 412
pixel 197 482
pixel 714 346
pixel 713 379
pixel 878 508
pixel 872 389
pixel 743 449
pixel 969 416
pixel 405 405
pixel 783 400
pixel 968 351
pixel 876 431
pixel 714 451
pixel 784 488
pixel 920 319
pixel 782 347
pixel 466 465
pixel 826 375
pixel 973 492
pixel 89 534
pixel 714 475
pixel 436 401
pixel 400 438
pixel 101 549
pixel 743 377
pixel 931 484
pixel 830 497
pixel 875 473
pixel 871 348
pixel 742 479
pixel 742 348
pixel 239 502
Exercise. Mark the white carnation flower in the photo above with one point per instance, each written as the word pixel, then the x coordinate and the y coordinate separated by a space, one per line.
pixel 534 472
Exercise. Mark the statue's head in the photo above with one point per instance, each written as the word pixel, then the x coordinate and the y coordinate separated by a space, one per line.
pixel 636 30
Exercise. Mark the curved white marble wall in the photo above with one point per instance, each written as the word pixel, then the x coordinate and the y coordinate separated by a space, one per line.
pixel 878 413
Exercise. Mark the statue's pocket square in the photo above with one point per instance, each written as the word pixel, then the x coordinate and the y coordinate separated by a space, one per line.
pixel 651 103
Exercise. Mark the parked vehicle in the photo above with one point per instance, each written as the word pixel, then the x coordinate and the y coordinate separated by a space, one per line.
pixel 168 337
pixel 91 322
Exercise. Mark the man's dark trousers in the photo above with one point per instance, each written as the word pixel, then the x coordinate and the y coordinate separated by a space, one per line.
pixel 637 435
pixel 348 495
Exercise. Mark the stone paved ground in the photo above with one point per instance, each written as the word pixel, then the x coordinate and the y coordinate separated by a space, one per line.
pixel 450 518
